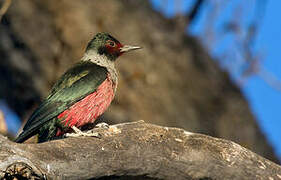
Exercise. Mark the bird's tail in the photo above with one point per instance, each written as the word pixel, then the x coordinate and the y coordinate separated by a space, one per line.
pixel 23 136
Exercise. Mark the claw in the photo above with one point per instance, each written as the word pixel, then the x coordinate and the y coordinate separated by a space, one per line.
pixel 78 133
pixel 102 125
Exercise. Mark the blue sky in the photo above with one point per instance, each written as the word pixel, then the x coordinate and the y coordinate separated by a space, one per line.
pixel 264 100
pixel 14 122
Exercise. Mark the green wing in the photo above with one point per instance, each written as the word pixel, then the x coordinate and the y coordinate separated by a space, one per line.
pixel 75 84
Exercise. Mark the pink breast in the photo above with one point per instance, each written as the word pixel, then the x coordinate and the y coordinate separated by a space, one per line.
pixel 90 108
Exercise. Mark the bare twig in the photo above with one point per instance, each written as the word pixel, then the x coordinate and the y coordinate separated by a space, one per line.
pixel 4 8
pixel 270 79
pixel 194 11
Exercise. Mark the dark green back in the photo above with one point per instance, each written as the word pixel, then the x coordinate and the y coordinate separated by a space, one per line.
pixel 75 84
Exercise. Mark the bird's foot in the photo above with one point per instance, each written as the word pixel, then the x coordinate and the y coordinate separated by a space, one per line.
pixel 78 133
pixel 102 125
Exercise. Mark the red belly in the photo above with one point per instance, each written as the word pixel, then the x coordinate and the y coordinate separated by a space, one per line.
pixel 90 108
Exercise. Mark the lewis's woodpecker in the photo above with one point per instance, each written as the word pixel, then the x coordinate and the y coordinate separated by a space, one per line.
pixel 81 94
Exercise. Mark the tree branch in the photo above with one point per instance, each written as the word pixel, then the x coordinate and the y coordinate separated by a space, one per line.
pixel 135 149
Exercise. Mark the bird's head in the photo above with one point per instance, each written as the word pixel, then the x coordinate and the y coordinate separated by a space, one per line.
pixel 105 44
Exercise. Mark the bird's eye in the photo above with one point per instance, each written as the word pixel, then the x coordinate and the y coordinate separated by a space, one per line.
pixel 111 43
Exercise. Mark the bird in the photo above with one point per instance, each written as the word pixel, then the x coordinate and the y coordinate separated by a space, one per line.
pixel 81 94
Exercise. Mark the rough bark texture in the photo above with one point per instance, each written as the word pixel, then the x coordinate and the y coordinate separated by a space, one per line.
pixel 136 149
pixel 171 82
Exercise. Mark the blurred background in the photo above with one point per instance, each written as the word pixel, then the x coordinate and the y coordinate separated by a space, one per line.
pixel 208 66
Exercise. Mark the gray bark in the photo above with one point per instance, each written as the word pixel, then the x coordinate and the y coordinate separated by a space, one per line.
pixel 136 149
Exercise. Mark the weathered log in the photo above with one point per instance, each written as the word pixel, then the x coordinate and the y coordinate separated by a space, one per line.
pixel 135 149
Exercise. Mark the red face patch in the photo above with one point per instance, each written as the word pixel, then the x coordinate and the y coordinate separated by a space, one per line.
pixel 113 47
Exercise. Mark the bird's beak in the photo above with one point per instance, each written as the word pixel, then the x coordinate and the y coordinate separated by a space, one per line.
pixel 128 48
